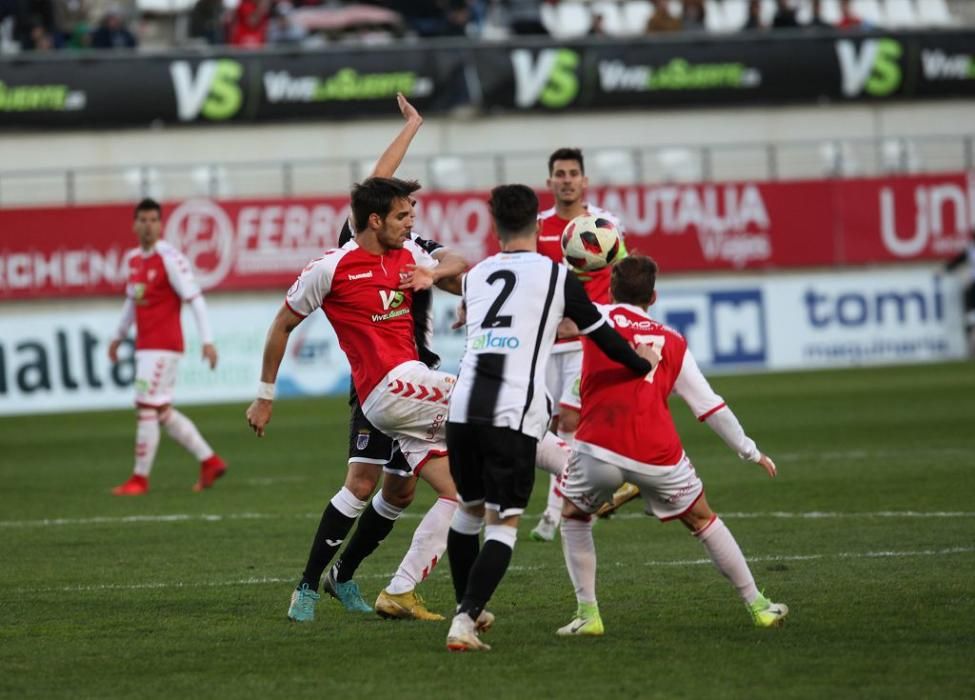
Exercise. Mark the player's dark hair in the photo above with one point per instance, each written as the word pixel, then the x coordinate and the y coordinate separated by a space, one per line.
pixel 147 204
pixel 567 154
pixel 375 195
pixel 515 211
pixel 633 280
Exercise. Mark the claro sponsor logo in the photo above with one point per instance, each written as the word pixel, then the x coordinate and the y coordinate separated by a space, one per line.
pixel 943 215
pixel 491 341
pixel 731 221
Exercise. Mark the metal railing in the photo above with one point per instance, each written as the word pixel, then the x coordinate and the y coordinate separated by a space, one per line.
pixel 605 166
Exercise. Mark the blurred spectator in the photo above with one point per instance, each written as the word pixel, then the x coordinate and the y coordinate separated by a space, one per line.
pixel 248 28
pixel 967 256
pixel 598 27
pixel 662 20
pixel 817 21
pixel 848 18
pixel 429 18
pixel 754 19
pixel 524 16
pixel 281 29
pixel 111 33
pixel 207 21
pixel 33 23
pixel 71 24
pixel 785 16
pixel 694 15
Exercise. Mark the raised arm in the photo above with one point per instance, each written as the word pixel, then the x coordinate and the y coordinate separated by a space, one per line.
pixel 259 412
pixel 393 156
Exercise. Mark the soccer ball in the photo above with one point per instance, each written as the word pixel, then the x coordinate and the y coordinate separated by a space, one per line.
pixel 590 243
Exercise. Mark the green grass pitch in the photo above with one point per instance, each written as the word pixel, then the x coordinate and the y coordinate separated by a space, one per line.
pixel 868 534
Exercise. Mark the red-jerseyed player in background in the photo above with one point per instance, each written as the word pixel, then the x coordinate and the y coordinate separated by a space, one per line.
pixel 568 182
pixel 627 434
pixel 159 281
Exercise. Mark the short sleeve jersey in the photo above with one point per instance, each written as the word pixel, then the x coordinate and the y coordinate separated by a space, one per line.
pixel 514 304
pixel 158 282
pixel 360 295
pixel 629 416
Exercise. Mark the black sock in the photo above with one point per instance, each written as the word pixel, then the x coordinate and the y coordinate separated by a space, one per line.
pixel 488 570
pixel 331 531
pixel 462 550
pixel 369 534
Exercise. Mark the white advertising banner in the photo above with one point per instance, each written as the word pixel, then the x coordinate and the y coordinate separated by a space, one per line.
pixel 53 355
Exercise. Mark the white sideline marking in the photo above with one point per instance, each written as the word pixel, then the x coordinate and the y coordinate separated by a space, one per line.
pixel 215 518
pixel 262 580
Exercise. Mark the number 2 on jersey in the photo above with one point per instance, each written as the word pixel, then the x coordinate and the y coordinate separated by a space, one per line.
pixel 492 319
pixel 656 341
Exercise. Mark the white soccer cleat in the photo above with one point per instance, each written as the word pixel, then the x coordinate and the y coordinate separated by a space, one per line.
pixel 546 529
pixel 463 635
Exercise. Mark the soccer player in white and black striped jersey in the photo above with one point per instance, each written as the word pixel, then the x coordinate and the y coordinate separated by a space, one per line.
pixel 499 408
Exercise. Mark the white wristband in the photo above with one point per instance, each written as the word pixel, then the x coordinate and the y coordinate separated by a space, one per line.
pixel 265 390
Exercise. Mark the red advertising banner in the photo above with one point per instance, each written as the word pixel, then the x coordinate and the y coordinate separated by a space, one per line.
pixel 260 244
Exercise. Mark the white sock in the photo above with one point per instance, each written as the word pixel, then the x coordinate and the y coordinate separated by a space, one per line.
pixel 146 440
pixel 553 506
pixel 579 550
pixel 552 454
pixel 727 557
pixel 182 430
pixel 428 545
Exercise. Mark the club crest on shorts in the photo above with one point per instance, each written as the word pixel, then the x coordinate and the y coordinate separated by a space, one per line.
pixel 362 440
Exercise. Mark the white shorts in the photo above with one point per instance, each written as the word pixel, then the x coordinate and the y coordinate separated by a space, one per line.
pixel 155 377
pixel 668 492
pixel 562 378
pixel 410 406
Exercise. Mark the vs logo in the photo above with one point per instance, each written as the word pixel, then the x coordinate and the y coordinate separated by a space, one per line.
pixel 391 299
pixel 214 92
pixel 874 68
pixel 548 79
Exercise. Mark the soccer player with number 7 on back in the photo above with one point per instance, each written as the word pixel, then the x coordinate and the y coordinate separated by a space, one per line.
pixel 627 434
pixel 499 409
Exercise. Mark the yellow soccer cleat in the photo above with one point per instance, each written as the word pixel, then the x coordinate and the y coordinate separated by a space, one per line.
pixel 587 623
pixel 404 606
pixel 624 494
pixel 765 613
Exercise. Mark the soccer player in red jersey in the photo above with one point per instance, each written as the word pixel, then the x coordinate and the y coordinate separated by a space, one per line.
pixel 568 182
pixel 159 281
pixel 627 434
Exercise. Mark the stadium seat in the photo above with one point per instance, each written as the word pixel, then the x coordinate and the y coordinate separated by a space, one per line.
pixel 870 12
pixel 838 159
pixel 611 14
pixel 934 13
pixel 680 165
pixel 211 181
pixel 714 17
pixel 448 173
pixel 613 167
pixel 900 13
pixel 735 14
pixel 900 156
pixel 144 182
pixel 830 10
pixel 636 14
pixel 566 19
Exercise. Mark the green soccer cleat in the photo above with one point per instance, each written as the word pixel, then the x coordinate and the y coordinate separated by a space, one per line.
pixel 546 529
pixel 765 613
pixel 302 608
pixel 346 593
pixel 587 623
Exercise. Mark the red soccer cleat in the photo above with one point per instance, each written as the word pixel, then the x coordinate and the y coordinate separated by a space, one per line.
pixel 135 486
pixel 211 469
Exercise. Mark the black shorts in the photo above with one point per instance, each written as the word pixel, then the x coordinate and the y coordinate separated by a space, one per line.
pixel 367 444
pixel 492 465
